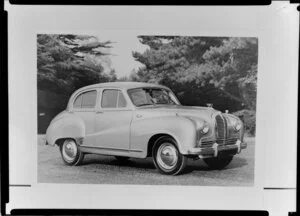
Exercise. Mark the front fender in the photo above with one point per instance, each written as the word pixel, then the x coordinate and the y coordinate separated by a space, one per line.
pixel 66 127
pixel 182 129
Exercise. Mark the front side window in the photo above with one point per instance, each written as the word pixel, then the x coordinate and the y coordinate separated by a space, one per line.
pixel 152 96
pixel 86 100
pixel 112 98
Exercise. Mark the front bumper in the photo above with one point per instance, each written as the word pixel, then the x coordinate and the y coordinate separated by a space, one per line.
pixel 217 149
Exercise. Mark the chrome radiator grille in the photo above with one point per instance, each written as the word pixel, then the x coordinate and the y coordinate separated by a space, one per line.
pixel 221 130
pixel 222 134
pixel 210 143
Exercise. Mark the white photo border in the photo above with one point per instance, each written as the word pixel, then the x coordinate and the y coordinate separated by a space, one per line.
pixel 25 22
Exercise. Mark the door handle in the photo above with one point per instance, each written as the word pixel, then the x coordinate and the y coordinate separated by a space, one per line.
pixel 99 112
pixel 139 116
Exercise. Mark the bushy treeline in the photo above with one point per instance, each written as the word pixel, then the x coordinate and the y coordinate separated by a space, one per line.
pixel 201 70
pixel 249 119
pixel 68 62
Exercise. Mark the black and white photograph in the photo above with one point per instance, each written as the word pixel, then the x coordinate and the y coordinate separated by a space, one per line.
pixel 157 107
pixel 146 109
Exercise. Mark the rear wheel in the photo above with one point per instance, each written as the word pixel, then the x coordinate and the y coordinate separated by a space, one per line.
pixel 167 158
pixel 70 153
pixel 219 162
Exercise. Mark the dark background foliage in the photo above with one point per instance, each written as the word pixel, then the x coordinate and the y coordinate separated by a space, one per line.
pixel 200 70
pixel 66 63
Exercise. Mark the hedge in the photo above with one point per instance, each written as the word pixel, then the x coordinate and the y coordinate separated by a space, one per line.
pixel 249 119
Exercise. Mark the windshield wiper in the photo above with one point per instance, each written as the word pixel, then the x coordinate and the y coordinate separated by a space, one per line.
pixel 145 104
pixel 166 103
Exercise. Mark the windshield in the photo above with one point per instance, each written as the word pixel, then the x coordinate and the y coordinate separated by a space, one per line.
pixel 152 96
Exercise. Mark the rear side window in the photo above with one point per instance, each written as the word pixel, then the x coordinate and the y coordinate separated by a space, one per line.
pixel 112 98
pixel 77 102
pixel 86 100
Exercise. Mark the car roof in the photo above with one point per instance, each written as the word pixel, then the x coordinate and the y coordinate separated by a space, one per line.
pixel 122 85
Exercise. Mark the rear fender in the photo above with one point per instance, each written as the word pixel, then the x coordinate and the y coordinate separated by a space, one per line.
pixel 67 127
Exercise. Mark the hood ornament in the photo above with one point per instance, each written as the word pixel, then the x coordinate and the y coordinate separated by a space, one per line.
pixel 209 105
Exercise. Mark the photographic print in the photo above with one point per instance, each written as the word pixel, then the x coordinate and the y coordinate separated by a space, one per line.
pixel 146 109
pixel 161 107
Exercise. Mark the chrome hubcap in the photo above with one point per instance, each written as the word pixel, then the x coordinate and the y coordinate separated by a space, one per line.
pixel 167 156
pixel 69 150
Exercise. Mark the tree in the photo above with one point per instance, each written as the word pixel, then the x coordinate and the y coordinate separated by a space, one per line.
pixel 68 62
pixel 169 56
pixel 234 69
pixel 202 70
pixel 112 75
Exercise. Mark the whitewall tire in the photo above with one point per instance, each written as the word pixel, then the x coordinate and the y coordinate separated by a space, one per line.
pixel 167 158
pixel 70 153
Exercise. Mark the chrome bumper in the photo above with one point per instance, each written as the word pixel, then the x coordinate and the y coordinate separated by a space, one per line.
pixel 216 149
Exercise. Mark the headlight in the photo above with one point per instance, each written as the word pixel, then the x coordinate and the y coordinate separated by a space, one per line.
pixel 238 126
pixel 205 129
pixel 202 127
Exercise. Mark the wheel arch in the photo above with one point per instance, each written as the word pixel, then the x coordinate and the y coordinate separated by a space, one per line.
pixel 144 133
pixel 60 141
pixel 153 140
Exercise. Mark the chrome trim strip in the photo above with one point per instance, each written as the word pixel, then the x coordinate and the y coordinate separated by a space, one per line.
pixel 238 144
pixel 216 148
pixel 112 149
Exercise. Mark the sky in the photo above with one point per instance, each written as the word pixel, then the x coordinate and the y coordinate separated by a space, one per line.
pixel 124 42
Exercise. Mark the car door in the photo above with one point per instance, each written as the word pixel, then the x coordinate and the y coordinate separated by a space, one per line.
pixel 84 107
pixel 112 122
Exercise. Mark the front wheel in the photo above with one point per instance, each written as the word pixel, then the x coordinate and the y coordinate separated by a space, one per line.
pixel 166 157
pixel 70 153
pixel 219 162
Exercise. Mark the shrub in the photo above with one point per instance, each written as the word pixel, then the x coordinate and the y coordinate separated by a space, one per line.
pixel 249 119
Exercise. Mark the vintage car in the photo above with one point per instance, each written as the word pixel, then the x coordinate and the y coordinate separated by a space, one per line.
pixel 140 120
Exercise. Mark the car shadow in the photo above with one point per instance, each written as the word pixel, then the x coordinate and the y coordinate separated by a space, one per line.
pixel 193 166
pixel 111 161
pixel 201 166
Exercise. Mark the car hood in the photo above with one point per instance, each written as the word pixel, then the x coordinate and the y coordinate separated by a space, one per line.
pixel 204 113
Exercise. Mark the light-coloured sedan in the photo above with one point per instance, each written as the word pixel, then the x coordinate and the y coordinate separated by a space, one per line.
pixel 139 120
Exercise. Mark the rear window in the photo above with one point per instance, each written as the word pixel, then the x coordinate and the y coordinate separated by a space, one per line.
pixel 77 102
pixel 86 100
